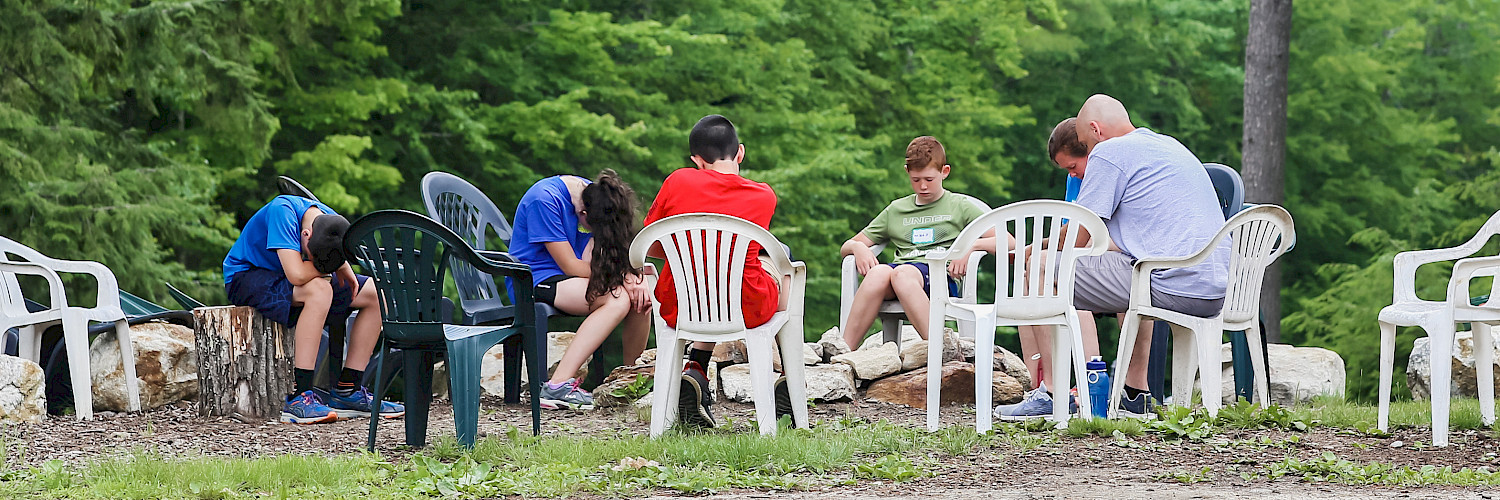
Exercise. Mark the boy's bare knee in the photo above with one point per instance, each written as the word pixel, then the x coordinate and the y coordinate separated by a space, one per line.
pixel 906 276
pixel 316 292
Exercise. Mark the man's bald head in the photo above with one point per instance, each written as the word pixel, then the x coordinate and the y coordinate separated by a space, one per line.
pixel 1102 118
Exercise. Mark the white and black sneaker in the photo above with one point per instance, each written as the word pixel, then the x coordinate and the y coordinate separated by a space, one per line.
pixel 694 398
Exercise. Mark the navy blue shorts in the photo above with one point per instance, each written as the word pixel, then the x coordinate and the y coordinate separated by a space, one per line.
pixel 270 293
pixel 927 280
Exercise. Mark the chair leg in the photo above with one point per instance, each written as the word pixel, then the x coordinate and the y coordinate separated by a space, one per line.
pixel 29 345
pixel 1484 359
pixel 1184 365
pixel 418 394
pixel 1258 366
pixel 127 358
pixel 464 360
pixel 1080 368
pixel 667 384
pixel 1442 378
pixel 1128 327
pixel 76 338
pixel 890 330
pixel 512 366
pixel 762 377
pixel 1061 351
pixel 1387 364
pixel 536 351
pixel 935 379
pixel 790 341
pixel 984 374
pixel 1210 366
pixel 379 389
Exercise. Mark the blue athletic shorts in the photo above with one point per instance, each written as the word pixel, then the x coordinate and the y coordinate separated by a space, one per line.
pixel 927 280
pixel 270 293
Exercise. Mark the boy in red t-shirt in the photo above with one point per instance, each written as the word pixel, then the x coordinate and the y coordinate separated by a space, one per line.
pixel 715 186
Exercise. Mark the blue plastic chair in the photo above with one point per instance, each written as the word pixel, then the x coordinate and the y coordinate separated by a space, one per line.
pixel 409 255
pixel 466 210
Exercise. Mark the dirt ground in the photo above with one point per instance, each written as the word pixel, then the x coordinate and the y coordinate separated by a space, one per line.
pixel 1146 467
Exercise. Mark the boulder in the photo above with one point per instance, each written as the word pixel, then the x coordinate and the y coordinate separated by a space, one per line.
pixel 1465 376
pixel 908 335
pixel 830 382
pixel 910 388
pixel 642 408
pixel 731 352
pixel 1012 365
pixel 914 352
pixel 1297 374
pixel 872 363
pixel 492 370
pixel 647 357
pixel 23 390
pixel 810 355
pixel 1006 389
pixel 817 349
pixel 833 343
pixel 166 367
pixel 612 392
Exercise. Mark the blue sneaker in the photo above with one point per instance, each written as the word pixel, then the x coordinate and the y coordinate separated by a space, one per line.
pixel 1138 408
pixel 358 405
pixel 1037 404
pixel 307 408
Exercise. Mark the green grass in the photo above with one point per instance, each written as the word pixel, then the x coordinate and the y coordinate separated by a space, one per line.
pixel 626 464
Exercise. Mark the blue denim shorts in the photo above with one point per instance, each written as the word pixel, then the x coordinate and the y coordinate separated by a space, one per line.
pixel 270 293
pixel 927 280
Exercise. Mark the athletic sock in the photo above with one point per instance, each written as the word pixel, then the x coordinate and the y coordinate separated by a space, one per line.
pixel 700 356
pixel 303 379
pixel 348 382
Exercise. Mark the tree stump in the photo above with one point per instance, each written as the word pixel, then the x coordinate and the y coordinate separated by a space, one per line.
pixel 244 363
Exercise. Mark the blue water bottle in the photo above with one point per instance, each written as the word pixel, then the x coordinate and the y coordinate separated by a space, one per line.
pixel 1098 378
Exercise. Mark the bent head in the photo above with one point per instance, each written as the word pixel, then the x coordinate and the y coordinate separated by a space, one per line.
pixel 323 242
pixel 608 209
pixel 1064 148
pixel 713 139
pixel 1100 119
pixel 927 167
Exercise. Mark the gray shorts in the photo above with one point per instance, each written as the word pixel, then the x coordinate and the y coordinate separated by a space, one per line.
pixel 1102 284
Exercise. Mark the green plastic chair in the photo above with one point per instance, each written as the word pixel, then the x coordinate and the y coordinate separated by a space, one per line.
pixel 408 254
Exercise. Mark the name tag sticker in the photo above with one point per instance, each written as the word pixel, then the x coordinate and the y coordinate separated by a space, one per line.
pixel 923 235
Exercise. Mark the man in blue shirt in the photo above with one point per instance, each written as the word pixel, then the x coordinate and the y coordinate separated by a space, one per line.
pixel 289 264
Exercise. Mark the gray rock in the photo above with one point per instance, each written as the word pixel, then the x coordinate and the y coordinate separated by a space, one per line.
pixel 492 369
pixel 833 343
pixel 810 355
pixel 828 382
pixel 874 362
pixel 1297 374
pixel 1012 365
pixel 816 348
pixel 166 367
pixel 1465 375
pixel 22 392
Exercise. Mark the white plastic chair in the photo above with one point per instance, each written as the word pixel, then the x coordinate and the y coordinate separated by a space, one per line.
pixel 1258 235
pixel 75 320
pixel 891 313
pixel 1437 318
pixel 706 253
pixel 1039 292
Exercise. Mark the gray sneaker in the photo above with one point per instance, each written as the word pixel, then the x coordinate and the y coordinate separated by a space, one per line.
pixel 567 395
pixel 1037 404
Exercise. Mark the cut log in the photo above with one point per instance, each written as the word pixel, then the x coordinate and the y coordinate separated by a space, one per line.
pixel 244 363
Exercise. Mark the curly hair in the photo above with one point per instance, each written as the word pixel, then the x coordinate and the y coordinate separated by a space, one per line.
pixel 610 206
pixel 923 152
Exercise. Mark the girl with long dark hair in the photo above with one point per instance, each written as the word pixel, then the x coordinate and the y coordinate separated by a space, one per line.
pixel 575 234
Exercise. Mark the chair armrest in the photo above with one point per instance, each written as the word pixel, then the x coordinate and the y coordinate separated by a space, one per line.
pixel 59 299
pixel 496 256
pixel 798 289
pixel 1405 266
pixel 109 288
pixel 969 293
pixel 848 283
pixel 1466 270
pixel 1140 278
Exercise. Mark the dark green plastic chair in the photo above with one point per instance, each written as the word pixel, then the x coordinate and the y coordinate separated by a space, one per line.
pixel 408 254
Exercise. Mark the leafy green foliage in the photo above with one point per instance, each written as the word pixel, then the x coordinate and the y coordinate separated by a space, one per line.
pixel 1330 468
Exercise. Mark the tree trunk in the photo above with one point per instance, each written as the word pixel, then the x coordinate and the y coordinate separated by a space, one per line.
pixel 244 363
pixel 1266 57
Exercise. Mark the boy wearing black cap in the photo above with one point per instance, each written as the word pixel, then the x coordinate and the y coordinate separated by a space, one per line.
pixel 289 264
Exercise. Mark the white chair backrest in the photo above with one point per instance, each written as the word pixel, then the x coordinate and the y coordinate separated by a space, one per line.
pixel 1029 290
pixel 706 253
pixel 12 302
pixel 1258 236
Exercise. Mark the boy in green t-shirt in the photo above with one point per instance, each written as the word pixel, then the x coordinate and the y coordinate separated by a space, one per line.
pixel 928 220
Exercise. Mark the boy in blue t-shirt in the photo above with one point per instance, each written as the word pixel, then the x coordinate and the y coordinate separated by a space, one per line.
pixel 289 264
